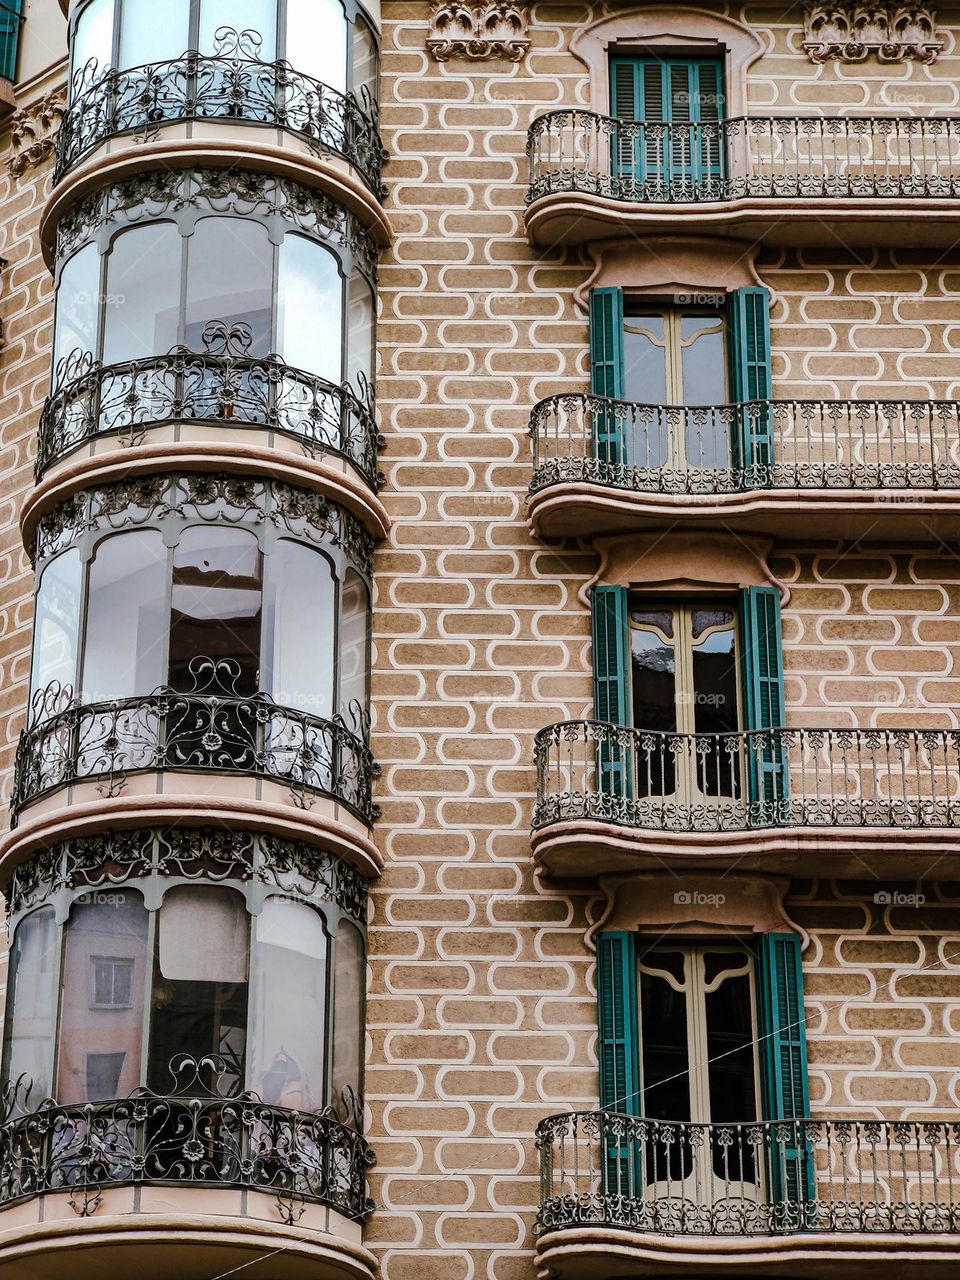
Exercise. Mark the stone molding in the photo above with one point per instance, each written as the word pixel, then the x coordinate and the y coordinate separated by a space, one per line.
pixel 851 31
pixel 674 266
pixel 478 32
pixel 33 135
pixel 659 27
pixel 687 560
pixel 726 904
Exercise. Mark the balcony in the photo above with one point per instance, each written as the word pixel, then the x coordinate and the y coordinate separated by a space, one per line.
pixel 217 405
pixel 830 468
pixel 206 729
pixel 219 109
pixel 622 1196
pixel 781 180
pixel 798 801
pixel 192 1183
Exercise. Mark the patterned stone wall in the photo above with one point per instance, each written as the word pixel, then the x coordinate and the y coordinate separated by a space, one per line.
pixel 482 1008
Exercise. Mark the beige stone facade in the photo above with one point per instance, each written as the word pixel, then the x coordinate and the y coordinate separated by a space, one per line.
pixel 481 1001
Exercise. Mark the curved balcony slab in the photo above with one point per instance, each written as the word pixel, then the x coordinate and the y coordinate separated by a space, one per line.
pixel 576 218
pixel 589 510
pixel 782 180
pixel 334 478
pixel 189 800
pixel 607 1253
pixel 215 145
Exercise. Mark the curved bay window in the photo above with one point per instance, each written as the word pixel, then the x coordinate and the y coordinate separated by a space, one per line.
pixel 250 599
pixel 243 300
pixel 187 967
pixel 308 66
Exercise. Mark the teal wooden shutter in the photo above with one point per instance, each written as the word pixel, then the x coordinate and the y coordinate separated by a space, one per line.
pixel 10 19
pixel 606 371
pixel 748 350
pixel 611 684
pixel 665 92
pixel 761 662
pixel 619 1055
pixel 783 1058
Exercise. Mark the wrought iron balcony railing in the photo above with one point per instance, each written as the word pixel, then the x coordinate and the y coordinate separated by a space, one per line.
pixel 210 727
pixel 733 448
pixel 905 778
pixel 193 1136
pixel 754 1179
pixel 232 84
pixel 92 400
pixel 766 157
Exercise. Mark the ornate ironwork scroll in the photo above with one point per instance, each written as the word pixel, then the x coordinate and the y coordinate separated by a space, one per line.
pixel 208 726
pixel 195 1134
pixel 229 85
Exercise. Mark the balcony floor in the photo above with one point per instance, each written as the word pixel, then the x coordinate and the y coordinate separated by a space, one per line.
pixel 602 1253
pixel 582 847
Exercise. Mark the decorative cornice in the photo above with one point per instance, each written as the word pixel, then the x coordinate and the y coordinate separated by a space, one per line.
pixel 34 128
pixel 478 32
pixel 851 31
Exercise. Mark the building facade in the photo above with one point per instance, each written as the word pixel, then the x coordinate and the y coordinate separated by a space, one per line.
pixel 481 605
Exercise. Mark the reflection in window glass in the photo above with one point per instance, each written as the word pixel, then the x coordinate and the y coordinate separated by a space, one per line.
pixel 78 297
pixel 32 1005
pixel 124 645
pixel 230 282
pixel 57 622
pixel 216 603
pixel 288 1005
pixel 142 298
pixel 309 299
pixel 317 40
pixel 101 1011
pixel 354 643
pixel 223 18
pixel 349 987
pixel 303 617
pixel 360 349
pixel 151 32
pixel 645 359
pixel 715 674
pixel 366 63
pixel 199 1003
pixel 93 39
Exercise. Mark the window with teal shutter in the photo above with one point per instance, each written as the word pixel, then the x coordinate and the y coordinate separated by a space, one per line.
pixel 783 1057
pixel 618 1052
pixel 611 683
pixel 748 347
pixel 606 370
pixel 10 19
pixel 761 657
pixel 685 95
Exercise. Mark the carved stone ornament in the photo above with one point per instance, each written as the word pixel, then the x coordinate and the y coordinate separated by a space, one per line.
pixel 33 134
pixel 851 32
pixel 478 32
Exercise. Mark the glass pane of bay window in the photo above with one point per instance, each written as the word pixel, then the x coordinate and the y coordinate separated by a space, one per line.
pixel 317 40
pixel 354 643
pixel 123 653
pixel 299 662
pixel 222 21
pixel 151 32
pixel 32 1006
pixel 93 40
pixel 310 301
pixel 102 1001
pixel 230 286
pixel 141 303
pixel 349 986
pixel 56 624
pixel 289 1006
pixel 361 326
pixel 366 63
pixel 199 999
pixel 216 606
pixel 78 299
